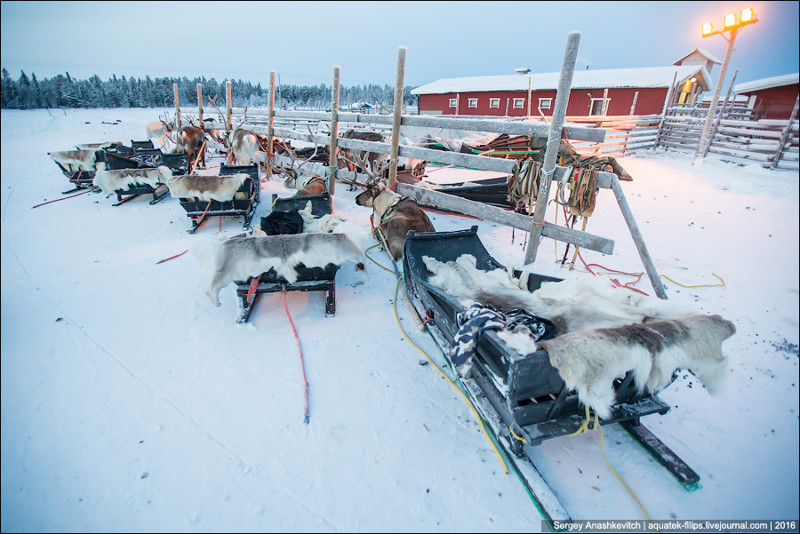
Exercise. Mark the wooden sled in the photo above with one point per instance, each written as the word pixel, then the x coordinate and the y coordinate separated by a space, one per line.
pixel 243 203
pixel 522 398
pixel 308 278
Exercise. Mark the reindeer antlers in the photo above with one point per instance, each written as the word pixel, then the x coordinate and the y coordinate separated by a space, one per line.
pixel 361 159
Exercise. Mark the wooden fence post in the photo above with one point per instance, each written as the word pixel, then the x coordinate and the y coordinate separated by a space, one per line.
pixel 785 137
pixel 398 112
pixel 633 104
pixel 553 142
pixel 228 97
pixel 333 160
pixel 200 101
pixel 719 117
pixel 667 101
pixel 605 102
pixel 271 119
pixel 177 106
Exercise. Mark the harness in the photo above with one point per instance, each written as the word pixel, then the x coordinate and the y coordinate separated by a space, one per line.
pixel 394 205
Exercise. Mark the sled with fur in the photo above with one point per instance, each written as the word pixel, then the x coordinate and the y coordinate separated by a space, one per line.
pixel 522 397
pixel 241 204
pixel 308 278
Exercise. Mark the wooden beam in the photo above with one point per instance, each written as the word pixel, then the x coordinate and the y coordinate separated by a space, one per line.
pixel 397 116
pixel 553 142
pixel 333 160
pixel 177 106
pixel 271 115
pixel 506 217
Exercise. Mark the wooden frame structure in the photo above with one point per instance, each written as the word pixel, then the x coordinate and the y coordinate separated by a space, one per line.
pixel 552 131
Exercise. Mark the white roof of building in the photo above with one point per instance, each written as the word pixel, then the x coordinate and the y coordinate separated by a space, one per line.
pixel 711 57
pixel 582 79
pixel 766 83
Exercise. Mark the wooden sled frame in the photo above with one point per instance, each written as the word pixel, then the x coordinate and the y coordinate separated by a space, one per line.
pixel 199 210
pixel 522 398
pixel 308 278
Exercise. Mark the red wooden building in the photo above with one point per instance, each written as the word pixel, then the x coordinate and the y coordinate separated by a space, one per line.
pixel 633 91
pixel 773 98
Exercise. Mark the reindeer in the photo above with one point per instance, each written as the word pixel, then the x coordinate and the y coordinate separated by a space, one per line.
pixel 394 214
pixel 305 183
pixel 161 130
pixel 191 140
pixel 372 158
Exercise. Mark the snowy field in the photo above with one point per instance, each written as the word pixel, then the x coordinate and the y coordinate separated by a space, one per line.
pixel 131 403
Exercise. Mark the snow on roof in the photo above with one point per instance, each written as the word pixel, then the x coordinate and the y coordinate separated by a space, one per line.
pixel 766 83
pixel 702 51
pixel 582 79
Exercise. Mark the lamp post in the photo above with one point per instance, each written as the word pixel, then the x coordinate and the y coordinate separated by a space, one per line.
pixel 732 24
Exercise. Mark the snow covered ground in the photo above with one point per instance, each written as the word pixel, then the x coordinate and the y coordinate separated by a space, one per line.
pixel 131 403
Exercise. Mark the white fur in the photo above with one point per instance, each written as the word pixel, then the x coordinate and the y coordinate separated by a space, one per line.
pixel 113 180
pixel 220 188
pixel 77 160
pixel 576 303
pixel 223 262
pixel 245 147
pixel 97 146
pixel 158 130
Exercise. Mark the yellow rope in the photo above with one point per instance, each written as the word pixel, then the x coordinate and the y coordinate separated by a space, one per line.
pixel 705 285
pixel 622 480
pixel 584 428
pixel 375 262
pixel 518 438
pixel 477 415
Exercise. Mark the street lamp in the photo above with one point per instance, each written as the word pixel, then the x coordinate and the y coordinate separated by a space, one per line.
pixel 732 24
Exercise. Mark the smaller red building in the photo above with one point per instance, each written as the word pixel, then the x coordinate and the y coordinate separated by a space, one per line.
pixel 773 98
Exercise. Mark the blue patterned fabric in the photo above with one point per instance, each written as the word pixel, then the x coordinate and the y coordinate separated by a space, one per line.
pixel 476 319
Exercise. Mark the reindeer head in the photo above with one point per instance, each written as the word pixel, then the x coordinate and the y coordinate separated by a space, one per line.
pixel 374 169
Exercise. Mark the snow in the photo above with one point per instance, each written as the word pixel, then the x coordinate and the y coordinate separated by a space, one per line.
pixel 767 83
pixel 131 403
pixel 582 79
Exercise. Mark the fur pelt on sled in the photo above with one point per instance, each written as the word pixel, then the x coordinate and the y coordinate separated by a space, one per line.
pixel 110 181
pixel 238 258
pixel 206 187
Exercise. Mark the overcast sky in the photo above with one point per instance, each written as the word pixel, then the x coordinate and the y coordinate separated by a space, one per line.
pixel 304 41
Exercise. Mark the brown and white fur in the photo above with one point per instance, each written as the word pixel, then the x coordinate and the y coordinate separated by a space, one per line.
pixel 306 184
pixel 78 160
pixel 190 141
pixel 245 145
pixel 395 215
pixel 237 258
pixel 110 181
pixel 588 361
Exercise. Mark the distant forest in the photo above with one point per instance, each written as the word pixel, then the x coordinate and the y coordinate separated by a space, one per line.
pixel 64 91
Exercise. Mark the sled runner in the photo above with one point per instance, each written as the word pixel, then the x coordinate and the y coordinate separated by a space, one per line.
pixel 522 398
pixel 309 278
pixel 241 203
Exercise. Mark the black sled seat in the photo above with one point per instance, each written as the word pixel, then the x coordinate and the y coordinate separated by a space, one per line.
pixel 308 278
pixel 526 391
pixel 242 204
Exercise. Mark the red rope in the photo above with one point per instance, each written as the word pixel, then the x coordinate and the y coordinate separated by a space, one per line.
pixel 173 257
pixel 302 363
pixel 252 289
pixel 65 198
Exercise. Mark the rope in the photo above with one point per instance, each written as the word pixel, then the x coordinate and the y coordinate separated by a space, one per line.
pixel 596 424
pixel 704 285
pixel 173 257
pixel 477 415
pixel 64 198
pixel 373 260
pixel 302 362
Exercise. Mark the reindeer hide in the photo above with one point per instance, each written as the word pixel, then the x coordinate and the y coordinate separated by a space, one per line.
pixel 77 160
pixel 122 179
pixel 576 303
pixel 206 188
pixel 238 258
pixel 589 361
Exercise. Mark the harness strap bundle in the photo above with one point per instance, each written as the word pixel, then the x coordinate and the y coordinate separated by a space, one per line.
pixel 523 186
